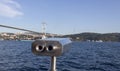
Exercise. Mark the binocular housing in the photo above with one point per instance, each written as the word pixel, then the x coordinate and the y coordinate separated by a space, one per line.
pixel 51 46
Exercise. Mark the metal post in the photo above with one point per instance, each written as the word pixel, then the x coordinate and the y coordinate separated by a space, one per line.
pixel 53 64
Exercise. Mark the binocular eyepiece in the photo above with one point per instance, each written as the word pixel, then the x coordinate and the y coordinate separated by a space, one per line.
pixel 40 48
pixel 51 46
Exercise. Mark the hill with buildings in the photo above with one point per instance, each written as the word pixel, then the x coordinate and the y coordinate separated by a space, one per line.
pixel 23 36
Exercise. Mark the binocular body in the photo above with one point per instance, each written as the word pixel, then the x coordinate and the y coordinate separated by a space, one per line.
pixel 51 46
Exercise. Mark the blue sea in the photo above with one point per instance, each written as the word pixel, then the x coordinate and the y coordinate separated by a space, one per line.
pixel 83 56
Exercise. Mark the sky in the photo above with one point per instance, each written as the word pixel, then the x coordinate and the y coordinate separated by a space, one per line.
pixel 61 16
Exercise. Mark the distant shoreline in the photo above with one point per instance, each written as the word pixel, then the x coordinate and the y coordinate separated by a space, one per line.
pixel 89 37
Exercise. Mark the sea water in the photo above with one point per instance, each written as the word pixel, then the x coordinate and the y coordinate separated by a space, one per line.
pixel 83 56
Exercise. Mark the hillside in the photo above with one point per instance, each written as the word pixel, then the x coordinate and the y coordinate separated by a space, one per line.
pixel 95 37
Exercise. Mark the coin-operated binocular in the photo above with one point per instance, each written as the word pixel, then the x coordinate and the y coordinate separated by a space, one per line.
pixel 51 47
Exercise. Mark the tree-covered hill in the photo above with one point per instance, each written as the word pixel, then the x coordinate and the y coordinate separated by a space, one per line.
pixel 95 37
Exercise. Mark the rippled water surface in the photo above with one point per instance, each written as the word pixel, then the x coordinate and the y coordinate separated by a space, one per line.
pixel 83 56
